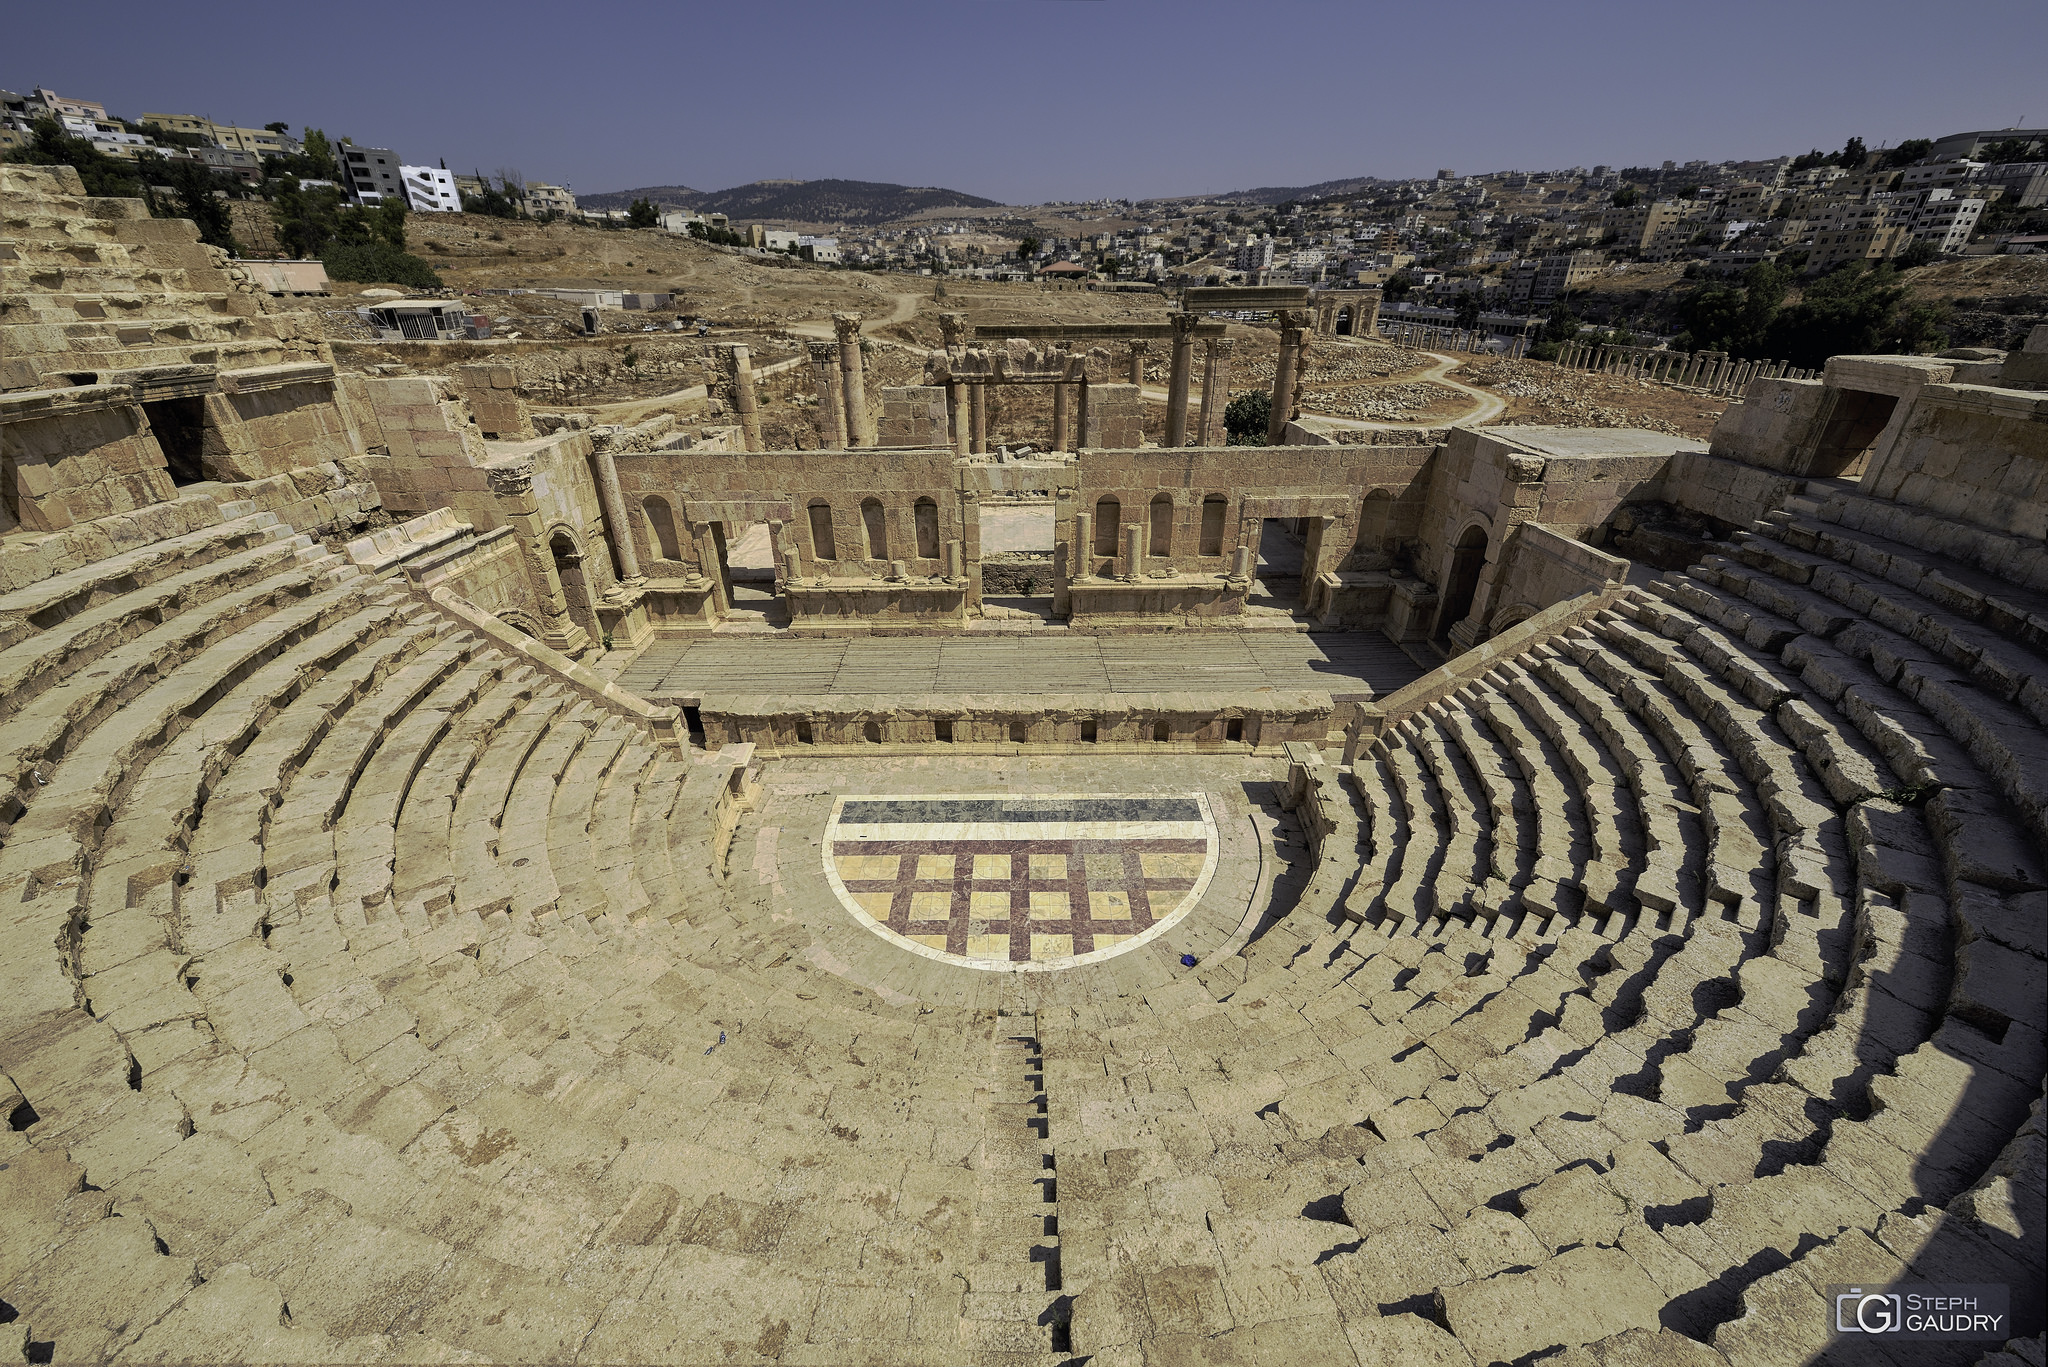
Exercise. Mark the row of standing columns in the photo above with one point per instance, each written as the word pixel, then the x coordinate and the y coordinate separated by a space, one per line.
pixel 1714 371
pixel 1420 336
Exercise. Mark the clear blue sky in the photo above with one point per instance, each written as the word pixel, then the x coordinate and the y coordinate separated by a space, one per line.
pixel 1030 100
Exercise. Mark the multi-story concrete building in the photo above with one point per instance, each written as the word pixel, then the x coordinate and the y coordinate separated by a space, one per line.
pixel 370 174
pixel 2025 183
pixel 1859 230
pixel 1939 175
pixel 430 190
pixel 261 142
pixel 542 198
pixel 1970 144
pixel 1946 220
pixel 1636 226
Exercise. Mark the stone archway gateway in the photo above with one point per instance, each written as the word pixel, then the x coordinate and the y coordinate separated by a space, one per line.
pixel 1021 884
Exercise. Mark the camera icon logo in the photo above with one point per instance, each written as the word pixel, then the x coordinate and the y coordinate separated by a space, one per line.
pixel 1874 1313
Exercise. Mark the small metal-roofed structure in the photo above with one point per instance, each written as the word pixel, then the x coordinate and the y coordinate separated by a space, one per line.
pixel 425 320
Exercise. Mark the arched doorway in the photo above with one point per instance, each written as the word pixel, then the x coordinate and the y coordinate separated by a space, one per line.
pixel 1468 559
pixel 575 588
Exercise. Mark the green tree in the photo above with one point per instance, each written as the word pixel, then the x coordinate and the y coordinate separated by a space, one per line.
pixel 2009 149
pixel 1466 314
pixel 1853 310
pixel 1397 287
pixel 319 155
pixel 491 202
pixel 1852 155
pixel 192 185
pixel 1918 252
pixel 1625 196
pixel 1245 418
pixel 378 262
pixel 1735 319
pixel 1908 152
pixel 641 213
pixel 1027 248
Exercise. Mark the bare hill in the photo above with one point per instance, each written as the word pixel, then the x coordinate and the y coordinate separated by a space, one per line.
pixel 668 196
pixel 801 201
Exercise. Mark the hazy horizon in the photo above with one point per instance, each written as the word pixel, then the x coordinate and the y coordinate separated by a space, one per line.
pixel 1045 100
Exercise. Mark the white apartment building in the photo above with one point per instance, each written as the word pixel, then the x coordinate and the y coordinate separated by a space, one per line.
pixel 430 190
pixel 1946 222
pixel 1255 254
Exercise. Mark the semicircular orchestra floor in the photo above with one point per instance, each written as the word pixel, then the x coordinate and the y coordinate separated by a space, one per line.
pixel 906 872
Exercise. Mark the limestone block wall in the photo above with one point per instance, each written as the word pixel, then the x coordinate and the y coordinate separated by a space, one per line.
pixel 1724 488
pixel 1118 723
pixel 266 420
pixel 698 487
pixel 489 572
pixel 432 453
pixel 70 455
pixel 492 393
pixel 1771 425
pixel 1542 566
pixel 1373 494
pixel 1113 418
pixel 915 415
pixel 1975 453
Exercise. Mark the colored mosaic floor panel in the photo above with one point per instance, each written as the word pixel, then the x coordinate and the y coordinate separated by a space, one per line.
pixel 1020 884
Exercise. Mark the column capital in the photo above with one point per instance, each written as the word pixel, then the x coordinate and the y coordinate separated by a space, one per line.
pixel 822 353
pixel 1219 346
pixel 511 481
pixel 953 327
pixel 846 326
pixel 1183 324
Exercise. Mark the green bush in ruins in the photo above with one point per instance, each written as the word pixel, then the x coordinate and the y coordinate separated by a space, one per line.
pixel 1245 418
pixel 378 263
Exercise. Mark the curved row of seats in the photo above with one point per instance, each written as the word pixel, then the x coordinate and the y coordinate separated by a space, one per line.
pixel 1692 963
pixel 370 994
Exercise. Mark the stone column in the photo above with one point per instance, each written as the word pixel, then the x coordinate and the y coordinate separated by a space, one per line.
pixel 1177 381
pixel 513 487
pixel 1059 416
pixel 953 327
pixel 1292 339
pixel 1215 389
pixel 1134 551
pixel 622 527
pixel 708 569
pixel 860 424
pixel 1241 564
pixel 957 404
pixel 977 418
pixel 1139 350
pixel 1083 562
pixel 831 402
pixel 739 374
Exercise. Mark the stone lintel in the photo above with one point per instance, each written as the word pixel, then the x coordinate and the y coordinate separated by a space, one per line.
pixel 263 377
pixel 31 404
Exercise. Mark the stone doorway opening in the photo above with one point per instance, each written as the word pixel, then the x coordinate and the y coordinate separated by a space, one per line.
pixel 1468 559
pixel 1853 427
pixel 180 429
pixel 1282 551
pixel 1017 542
pixel 746 562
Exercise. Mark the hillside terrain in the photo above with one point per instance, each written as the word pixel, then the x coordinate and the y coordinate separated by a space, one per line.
pixel 667 196
pixel 863 202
